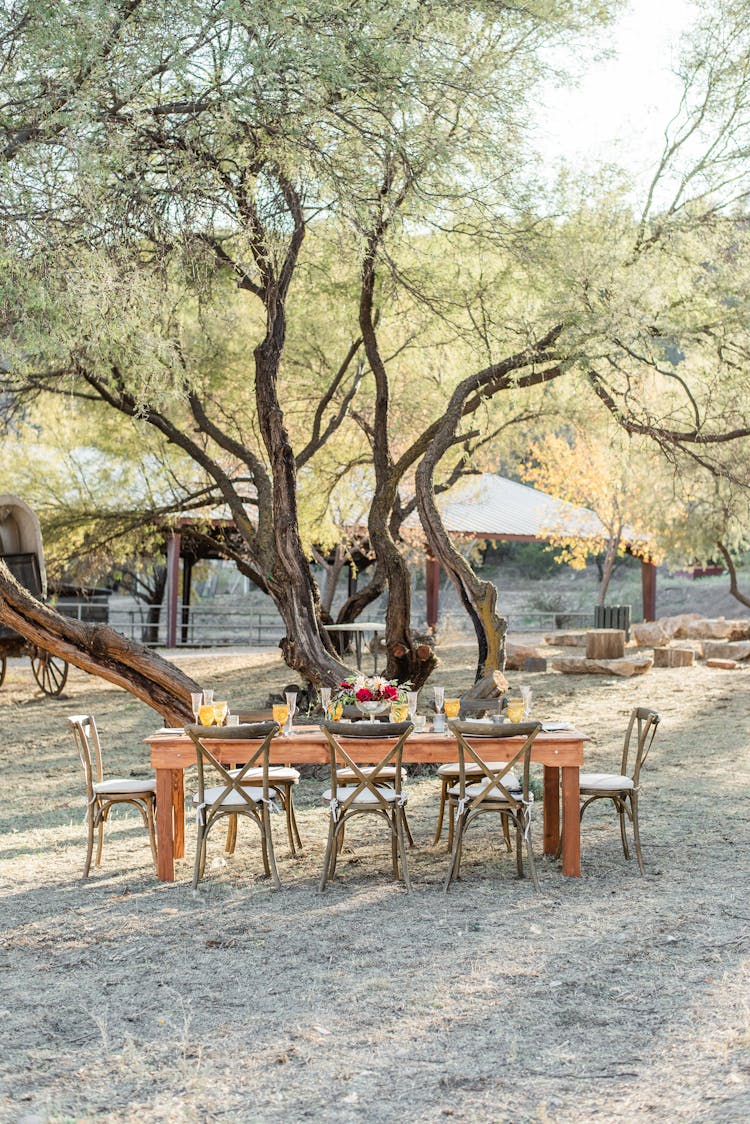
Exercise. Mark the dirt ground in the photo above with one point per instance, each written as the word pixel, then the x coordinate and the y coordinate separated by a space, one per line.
pixel 610 997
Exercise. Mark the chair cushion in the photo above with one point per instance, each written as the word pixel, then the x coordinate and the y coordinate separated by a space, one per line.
pixel 232 799
pixel 596 782
pixel 495 797
pixel 451 770
pixel 365 797
pixel 277 774
pixel 387 773
pixel 120 786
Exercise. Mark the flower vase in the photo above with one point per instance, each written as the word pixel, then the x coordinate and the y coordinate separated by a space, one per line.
pixel 372 707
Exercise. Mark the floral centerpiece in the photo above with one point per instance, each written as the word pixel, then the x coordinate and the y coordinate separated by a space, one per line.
pixel 371 693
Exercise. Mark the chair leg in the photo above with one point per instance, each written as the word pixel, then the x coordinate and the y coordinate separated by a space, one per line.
pixel 286 799
pixel 451 825
pixel 530 856
pixel 394 843
pixel 455 862
pixel 200 856
pixel 506 832
pixel 620 806
pixel 264 847
pixel 441 811
pixel 637 832
pixel 101 814
pixel 152 832
pixel 231 840
pixel 401 828
pixel 329 848
pixel 519 850
pixel 407 832
pixel 295 828
pixel 89 840
pixel 268 836
pixel 336 849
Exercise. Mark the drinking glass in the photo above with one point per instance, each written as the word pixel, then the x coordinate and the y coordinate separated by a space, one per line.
pixel 325 698
pixel 515 708
pixel 208 697
pixel 280 713
pixel 526 696
pixel 412 701
pixel 291 702
pixel 399 711
pixel 439 697
pixel 206 714
pixel 220 712
pixel 196 698
pixel 452 708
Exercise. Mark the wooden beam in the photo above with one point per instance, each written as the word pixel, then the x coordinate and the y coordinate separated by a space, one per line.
pixel 648 589
pixel 173 586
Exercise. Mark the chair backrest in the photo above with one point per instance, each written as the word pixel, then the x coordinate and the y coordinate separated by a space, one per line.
pixel 391 734
pixel 491 777
pixel 643 723
pixel 202 736
pixel 86 737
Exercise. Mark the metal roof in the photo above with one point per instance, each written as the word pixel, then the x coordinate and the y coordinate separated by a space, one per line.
pixel 490 506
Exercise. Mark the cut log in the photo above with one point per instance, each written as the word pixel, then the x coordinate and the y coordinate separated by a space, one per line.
pixel 726 649
pixel 566 639
pixel 488 687
pixel 605 644
pixel 516 655
pixel 674 657
pixel 626 668
pixel 724 665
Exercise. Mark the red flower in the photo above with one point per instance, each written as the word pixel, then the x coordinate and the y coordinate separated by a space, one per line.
pixel 364 695
pixel 390 692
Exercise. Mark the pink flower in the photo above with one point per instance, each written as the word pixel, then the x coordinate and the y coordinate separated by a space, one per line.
pixel 390 692
pixel 364 695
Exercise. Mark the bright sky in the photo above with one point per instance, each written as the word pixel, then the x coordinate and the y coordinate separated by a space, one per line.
pixel 619 109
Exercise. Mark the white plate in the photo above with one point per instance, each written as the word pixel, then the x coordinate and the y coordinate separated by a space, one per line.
pixel 171 730
pixel 553 727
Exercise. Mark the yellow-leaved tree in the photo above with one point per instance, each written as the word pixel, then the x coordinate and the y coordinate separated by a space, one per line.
pixel 621 482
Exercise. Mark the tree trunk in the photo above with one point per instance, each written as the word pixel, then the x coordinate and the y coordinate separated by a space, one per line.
pixel 610 557
pixel 99 650
pixel 734 588
pixel 478 597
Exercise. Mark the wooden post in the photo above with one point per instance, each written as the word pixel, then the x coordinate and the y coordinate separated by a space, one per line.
pixel 432 589
pixel 187 581
pixel 173 585
pixel 648 589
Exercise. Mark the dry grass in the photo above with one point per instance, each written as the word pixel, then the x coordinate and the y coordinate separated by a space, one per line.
pixel 610 997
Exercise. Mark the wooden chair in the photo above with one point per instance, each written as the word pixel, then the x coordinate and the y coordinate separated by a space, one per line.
pixel 234 795
pixel 367 790
pixel 622 788
pixel 101 795
pixel 282 779
pixel 449 775
pixel 496 788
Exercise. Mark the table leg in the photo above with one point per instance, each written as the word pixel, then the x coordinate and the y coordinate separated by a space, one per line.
pixel 551 809
pixel 178 812
pixel 375 652
pixel 165 786
pixel 358 649
pixel 571 821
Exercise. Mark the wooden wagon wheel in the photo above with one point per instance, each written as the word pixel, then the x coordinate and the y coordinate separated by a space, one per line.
pixel 3 666
pixel 50 671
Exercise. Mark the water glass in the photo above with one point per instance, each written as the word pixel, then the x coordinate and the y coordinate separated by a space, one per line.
pixel 325 698
pixel 412 701
pixel 208 697
pixel 439 697
pixel 291 702
pixel 438 722
pixel 196 698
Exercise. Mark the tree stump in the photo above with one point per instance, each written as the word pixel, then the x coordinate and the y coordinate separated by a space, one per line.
pixel 605 644
pixel 674 657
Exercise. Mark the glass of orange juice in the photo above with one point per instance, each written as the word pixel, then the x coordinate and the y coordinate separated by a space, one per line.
pixel 515 708
pixel 399 711
pixel 280 713
pixel 220 712
pixel 206 715
pixel 452 707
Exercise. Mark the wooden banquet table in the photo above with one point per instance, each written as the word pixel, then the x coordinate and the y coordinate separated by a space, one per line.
pixel 561 753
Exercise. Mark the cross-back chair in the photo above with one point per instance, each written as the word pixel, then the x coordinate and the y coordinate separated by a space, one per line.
pixel 366 789
pixel 102 795
pixel 492 786
pixel 240 792
pixel 623 788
